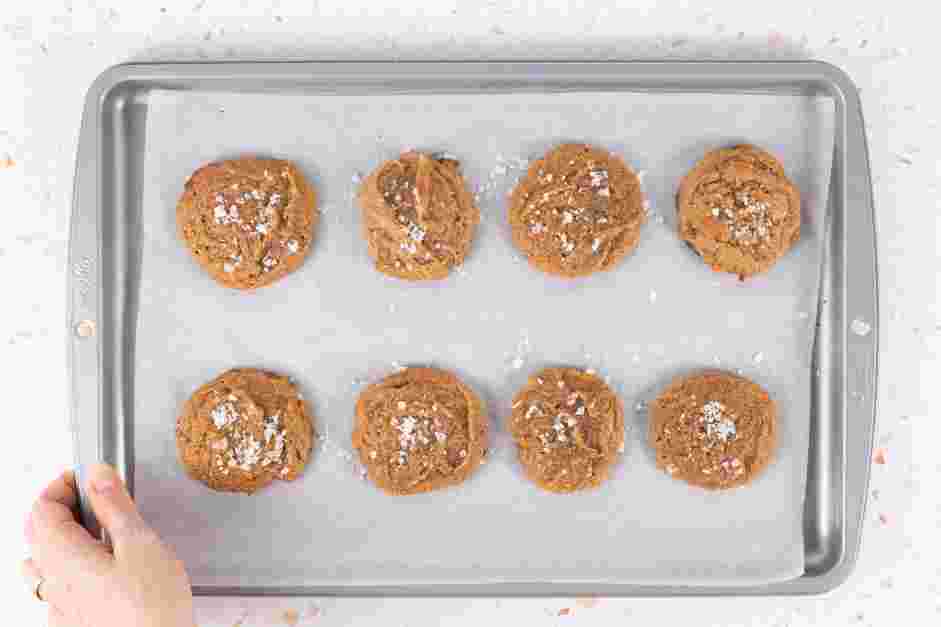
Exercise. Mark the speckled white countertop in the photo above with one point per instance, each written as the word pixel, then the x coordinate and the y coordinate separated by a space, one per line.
pixel 51 51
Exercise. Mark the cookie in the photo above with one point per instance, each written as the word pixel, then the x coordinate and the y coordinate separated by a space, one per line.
pixel 243 430
pixel 248 222
pixel 738 210
pixel 419 218
pixel 419 430
pixel 577 211
pixel 714 430
pixel 568 426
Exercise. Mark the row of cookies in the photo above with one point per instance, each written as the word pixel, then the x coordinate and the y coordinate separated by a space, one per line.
pixel 577 211
pixel 421 429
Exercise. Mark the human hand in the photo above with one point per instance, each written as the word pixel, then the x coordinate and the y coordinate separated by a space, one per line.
pixel 139 582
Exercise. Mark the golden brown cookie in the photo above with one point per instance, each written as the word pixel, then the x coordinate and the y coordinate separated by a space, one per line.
pixel 418 430
pixel 569 429
pixel 578 210
pixel 243 430
pixel 738 210
pixel 715 430
pixel 419 218
pixel 248 222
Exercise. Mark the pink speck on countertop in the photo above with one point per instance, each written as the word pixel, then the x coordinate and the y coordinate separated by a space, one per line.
pixel 879 456
pixel 884 518
pixel 776 39
pixel 565 611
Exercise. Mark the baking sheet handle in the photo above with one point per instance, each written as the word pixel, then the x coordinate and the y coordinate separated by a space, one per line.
pixel 861 308
pixel 85 328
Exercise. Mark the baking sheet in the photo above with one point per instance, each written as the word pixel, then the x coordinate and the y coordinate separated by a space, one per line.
pixel 337 324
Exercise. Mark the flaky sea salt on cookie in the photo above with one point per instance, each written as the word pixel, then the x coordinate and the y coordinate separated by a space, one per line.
pixel 419 218
pixel 248 222
pixel 578 210
pixel 568 426
pixel 738 210
pixel 715 430
pixel 243 430
pixel 418 430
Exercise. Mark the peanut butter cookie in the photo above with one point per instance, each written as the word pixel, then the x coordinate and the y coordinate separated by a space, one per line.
pixel 244 430
pixel 738 210
pixel 579 210
pixel 419 430
pixel 419 218
pixel 714 430
pixel 569 429
pixel 248 222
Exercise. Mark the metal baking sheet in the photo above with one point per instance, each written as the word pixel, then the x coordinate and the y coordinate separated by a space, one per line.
pixel 119 106
pixel 337 323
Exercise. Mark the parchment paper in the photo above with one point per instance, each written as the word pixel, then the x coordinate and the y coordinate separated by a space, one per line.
pixel 337 324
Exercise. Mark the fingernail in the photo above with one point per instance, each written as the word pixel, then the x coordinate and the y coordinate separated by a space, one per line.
pixel 104 485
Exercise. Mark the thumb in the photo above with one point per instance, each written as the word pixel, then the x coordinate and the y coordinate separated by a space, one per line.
pixel 114 507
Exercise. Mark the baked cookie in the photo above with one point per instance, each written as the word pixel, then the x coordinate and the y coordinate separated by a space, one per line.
pixel 569 429
pixel 248 222
pixel 418 430
pixel 738 210
pixel 578 210
pixel 714 430
pixel 243 430
pixel 419 218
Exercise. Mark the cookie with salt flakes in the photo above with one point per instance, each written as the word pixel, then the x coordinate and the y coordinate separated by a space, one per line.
pixel 738 210
pixel 248 222
pixel 244 430
pixel 419 217
pixel 568 426
pixel 418 430
pixel 579 210
pixel 715 430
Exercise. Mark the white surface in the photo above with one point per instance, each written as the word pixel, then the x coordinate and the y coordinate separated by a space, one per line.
pixel 52 54
pixel 496 307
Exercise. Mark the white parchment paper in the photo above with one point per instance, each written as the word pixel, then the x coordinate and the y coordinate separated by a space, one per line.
pixel 337 324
